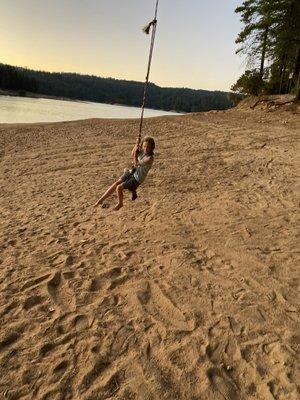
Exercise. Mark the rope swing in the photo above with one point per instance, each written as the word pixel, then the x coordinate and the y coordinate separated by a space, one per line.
pixel 146 29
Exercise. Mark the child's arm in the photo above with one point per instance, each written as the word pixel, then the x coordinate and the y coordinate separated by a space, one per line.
pixel 136 149
pixel 134 155
pixel 133 151
pixel 148 160
pixel 145 160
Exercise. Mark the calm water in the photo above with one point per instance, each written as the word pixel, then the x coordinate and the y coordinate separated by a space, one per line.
pixel 23 109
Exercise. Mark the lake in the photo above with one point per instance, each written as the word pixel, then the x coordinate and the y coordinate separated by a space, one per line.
pixel 24 109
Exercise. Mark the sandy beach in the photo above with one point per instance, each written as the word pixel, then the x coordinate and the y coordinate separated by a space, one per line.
pixel 190 292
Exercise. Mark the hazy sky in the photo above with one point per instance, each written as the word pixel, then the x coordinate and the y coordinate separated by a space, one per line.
pixel 194 41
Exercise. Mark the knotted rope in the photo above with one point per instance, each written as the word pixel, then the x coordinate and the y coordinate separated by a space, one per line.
pixel 146 29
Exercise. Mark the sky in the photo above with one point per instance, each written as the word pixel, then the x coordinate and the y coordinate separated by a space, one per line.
pixel 194 44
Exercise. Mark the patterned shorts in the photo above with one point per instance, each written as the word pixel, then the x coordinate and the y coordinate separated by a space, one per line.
pixel 129 181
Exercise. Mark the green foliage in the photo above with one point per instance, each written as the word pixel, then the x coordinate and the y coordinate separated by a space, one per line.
pixel 271 32
pixel 235 98
pixel 249 83
pixel 254 39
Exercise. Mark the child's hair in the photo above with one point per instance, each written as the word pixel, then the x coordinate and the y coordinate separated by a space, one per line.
pixel 151 142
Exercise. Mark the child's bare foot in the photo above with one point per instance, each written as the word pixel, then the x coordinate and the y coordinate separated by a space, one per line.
pixel 101 203
pixel 118 206
pixel 98 203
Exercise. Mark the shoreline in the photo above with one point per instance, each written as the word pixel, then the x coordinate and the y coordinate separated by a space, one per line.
pixel 16 109
pixel 16 93
pixel 49 97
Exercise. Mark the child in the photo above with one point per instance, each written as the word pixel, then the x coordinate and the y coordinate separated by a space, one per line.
pixel 142 162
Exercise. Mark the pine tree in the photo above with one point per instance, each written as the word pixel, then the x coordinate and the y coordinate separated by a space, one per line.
pixel 271 32
pixel 285 66
pixel 254 38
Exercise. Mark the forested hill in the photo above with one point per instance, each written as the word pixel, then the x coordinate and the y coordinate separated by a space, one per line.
pixel 109 90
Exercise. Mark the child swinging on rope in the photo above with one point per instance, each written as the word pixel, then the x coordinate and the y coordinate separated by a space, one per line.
pixel 143 158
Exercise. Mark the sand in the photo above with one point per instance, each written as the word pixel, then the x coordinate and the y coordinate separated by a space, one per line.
pixel 190 292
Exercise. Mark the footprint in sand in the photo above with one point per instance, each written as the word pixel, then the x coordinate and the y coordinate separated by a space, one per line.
pixel 59 370
pixel 96 284
pixel 61 367
pixel 185 357
pixel 80 322
pixel 9 309
pixel 98 369
pixel 110 384
pixel 34 282
pixel 9 340
pixel 233 350
pixel 46 349
pixel 107 280
pixel 68 324
pixel 163 309
pixel 60 292
pixel 32 301
pixel 223 384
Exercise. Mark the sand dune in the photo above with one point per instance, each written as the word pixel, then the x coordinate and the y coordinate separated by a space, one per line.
pixel 190 292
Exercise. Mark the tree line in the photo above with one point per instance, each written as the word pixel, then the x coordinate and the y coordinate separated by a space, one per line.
pixel 13 79
pixel 270 40
pixel 112 91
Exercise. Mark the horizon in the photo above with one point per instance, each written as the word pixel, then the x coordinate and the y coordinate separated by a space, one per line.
pixel 117 79
pixel 106 40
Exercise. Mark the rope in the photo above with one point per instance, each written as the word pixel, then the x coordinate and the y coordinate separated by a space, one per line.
pixel 153 23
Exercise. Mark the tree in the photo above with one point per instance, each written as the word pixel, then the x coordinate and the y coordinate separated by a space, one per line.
pixel 286 46
pixel 248 83
pixel 254 37
pixel 11 78
pixel 271 32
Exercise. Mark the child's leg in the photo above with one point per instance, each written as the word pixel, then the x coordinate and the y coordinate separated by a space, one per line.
pixel 120 197
pixel 109 191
